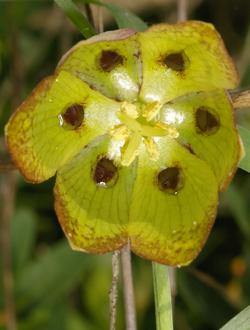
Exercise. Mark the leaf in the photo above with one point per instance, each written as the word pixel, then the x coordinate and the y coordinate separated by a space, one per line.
pixel 76 321
pixel 51 276
pixel 49 317
pixel 240 322
pixel 58 317
pixel 80 21
pixel 245 136
pixel 237 204
pixel 1 284
pixel 55 316
pixel 123 17
pixel 162 293
pixel 23 237
pixel 199 298
pixel 246 77
pixel 100 279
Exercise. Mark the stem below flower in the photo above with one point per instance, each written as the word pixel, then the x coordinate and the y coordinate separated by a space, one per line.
pixel 129 300
pixel 163 301
pixel 113 295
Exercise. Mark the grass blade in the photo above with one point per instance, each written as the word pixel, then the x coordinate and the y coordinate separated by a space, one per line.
pixel 124 18
pixel 245 136
pixel 75 15
pixel 240 322
pixel 237 204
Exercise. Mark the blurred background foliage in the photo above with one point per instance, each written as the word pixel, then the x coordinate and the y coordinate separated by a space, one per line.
pixel 57 289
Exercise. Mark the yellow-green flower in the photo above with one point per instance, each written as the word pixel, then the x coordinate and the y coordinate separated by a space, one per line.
pixel 140 131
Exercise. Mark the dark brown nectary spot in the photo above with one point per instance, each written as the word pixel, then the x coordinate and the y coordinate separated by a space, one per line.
pixel 109 60
pixel 74 115
pixel 170 180
pixel 105 171
pixel 206 122
pixel 175 61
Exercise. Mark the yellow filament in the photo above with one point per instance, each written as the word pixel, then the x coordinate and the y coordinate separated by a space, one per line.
pixel 151 110
pixel 171 131
pixel 129 109
pixel 131 149
pixel 119 132
pixel 131 123
pixel 152 148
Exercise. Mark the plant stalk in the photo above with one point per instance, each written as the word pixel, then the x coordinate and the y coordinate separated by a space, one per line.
pixel 129 299
pixel 163 299
pixel 113 294
pixel 181 10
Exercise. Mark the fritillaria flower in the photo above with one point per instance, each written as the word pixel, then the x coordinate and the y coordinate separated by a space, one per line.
pixel 139 129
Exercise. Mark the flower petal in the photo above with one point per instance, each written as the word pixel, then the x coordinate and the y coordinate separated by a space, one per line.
pixel 92 200
pixel 45 131
pixel 206 126
pixel 173 205
pixel 109 62
pixel 182 58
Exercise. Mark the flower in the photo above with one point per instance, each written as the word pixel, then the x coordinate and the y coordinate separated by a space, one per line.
pixel 140 131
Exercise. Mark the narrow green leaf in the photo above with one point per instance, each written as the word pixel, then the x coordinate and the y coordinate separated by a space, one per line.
pixel 162 293
pixel 23 232
pixel 51 276
pixel 80 21
pixel 124 18
pixel 77 321
pixel 199 297
pixel 245 136
pixel 237 205
pixel 49 317
pixel 240 322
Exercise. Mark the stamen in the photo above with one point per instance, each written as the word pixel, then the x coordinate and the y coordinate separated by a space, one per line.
pixel 119 132
pixel 131 149
pixel 147 130
pixel 151 110
pixel 171 131
pixel 144 130
pixel 130 122
pixel 129 109
pixel 152 148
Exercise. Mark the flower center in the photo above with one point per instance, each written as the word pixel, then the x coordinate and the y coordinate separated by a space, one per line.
pixel 139 124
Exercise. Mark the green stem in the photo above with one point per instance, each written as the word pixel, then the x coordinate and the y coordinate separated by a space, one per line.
pixel 162 293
